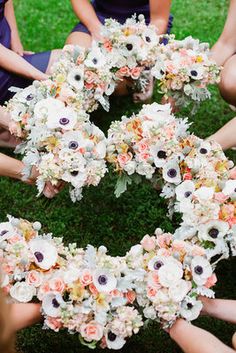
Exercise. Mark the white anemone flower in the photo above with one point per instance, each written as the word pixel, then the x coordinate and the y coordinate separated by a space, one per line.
pixel 196 72
pixel 204 148
pixel 179 290
pixel 45 254
pixel 47 106
pixel 230 188
pixel 27 95
pixel 51 304
pixel 185 190
pixel 190 308
pixel 6 231
pixel 76 78
pixel 156 263
pixel 171 172
pixel 159 155
pixel 201 270
pixel 77 178
pixel 150 37
pixel 95 58
pixel 73 140
pixel 170 273
pixel 64 118
pixel 213 230
pixel 113 341
pixel 131 45
pixel 104 281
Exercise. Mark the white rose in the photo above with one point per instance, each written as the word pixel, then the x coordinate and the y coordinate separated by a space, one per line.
pixel 22 292
pixel 178 291
pixel 150 313
pixel 170 273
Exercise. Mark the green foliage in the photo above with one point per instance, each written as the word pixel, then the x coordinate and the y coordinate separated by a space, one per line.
pixel 101 218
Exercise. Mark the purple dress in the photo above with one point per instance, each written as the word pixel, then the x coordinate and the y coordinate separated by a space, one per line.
pixel 120 10
pixel 8 79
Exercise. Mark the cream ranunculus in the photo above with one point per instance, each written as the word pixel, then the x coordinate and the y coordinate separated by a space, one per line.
pixel 22 292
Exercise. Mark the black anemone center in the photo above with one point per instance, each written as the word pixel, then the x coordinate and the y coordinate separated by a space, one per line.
pixel 162 72
pixel 129 46
pixel 187 194
pixel 29 97
pixel 55 303
pixel 39 256
pixel 95 61
pixel 102 280
pixel 198 270
pixel 157 265
pixel 74 173
pixel 3 232
pixel 194 73
pixel 64 121
pixel 111 336
pixel 190 306
pixel 213 232
pixel 203 150
pixel 148 39
pixel 77 77
pixel 73 145
pixel 235 190
pixel 161 154
pixel 172 173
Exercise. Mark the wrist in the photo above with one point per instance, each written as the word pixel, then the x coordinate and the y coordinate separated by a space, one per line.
pixel 95 27
pixel 178 328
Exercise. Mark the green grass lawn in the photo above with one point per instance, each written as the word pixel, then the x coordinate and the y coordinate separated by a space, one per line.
pixel 100 218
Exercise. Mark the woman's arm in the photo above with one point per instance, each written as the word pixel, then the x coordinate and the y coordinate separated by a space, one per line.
pixel 24 315
pixel 87 15
pixel 12 62
pixel 159 13
pixel 192 339
pixel 16 44
pixel 226 136
pixel 222 309
pixel 225 47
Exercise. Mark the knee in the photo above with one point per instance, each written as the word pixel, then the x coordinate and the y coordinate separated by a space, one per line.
pixel 227 85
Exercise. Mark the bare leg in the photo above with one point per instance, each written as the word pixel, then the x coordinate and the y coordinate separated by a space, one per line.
pixel 225 47
pixel 227 84
pixel 53 58
pixel 192 339
pixel 226 136
pixel 234 341
pixel 79 38
pixel 24 315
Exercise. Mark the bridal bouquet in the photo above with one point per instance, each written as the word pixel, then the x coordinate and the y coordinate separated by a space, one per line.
pixel 27 257
pixel 185 69
pixel 84 77
pixel 176 274
pixel 147 144
pixel 206 197
pixel 131 48
pixel 94 299
pixel 63 146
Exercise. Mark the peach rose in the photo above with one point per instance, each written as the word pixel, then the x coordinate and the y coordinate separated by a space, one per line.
pixel 15 129
pixel 124 158
pixel 130 296
pixel 142 146
pixel 53 323
pixel 57 285
pixel 187 176
pixel 34 278
pixel 92 331
pixel 7 268
pixel 90 77
pixel 107 45
pixel 135 72
pixel 148 243
pixel 123 71
pixel 93 289
pixel 164 240
pixel 86 278
pixel 220 197
pixel 211 281
pixel 151 292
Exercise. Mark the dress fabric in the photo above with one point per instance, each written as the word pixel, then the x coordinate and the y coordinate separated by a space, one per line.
pixel 119 10
pixel 8 79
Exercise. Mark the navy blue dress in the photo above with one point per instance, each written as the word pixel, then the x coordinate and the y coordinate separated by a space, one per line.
pixel 120 10
pixel 8 79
